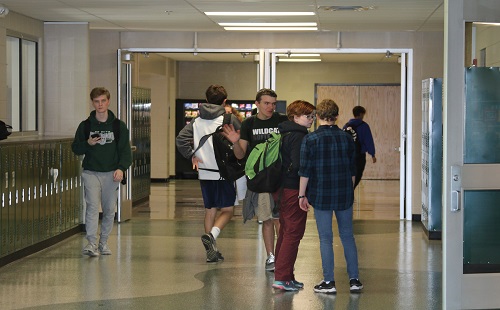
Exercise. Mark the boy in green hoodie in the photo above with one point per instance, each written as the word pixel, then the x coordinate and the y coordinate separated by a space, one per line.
pixel 107 157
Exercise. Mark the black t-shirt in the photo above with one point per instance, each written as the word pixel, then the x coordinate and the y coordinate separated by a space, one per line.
pixel 255 130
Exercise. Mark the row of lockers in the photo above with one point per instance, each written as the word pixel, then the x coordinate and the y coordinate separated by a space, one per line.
pixel 40 190
pixel 141 138
pixel 432 156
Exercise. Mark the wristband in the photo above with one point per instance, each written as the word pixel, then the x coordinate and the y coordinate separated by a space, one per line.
pixel 301 197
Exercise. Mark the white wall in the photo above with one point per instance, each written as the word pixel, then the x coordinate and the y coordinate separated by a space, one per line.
pixel 103 51
pixel 66 75
pixel 154 73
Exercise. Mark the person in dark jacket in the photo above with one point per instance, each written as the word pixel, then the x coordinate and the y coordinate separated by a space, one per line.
pixel 365 139
pixel 106 159
pixel 292 219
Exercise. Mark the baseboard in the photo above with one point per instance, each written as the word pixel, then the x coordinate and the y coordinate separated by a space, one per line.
pixel 433 234
pixel 161 180
pixel 40 245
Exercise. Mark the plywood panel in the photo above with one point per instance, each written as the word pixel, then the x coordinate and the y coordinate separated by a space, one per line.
pixel 346 98
pixel 383 115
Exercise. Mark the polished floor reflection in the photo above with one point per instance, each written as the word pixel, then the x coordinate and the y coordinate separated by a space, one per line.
pixel 158 262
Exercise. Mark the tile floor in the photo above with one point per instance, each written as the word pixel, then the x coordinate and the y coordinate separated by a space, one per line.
pixel 158 262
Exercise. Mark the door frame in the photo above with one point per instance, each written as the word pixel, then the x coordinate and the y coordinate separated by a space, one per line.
pixel 406 137
pixel 124 203
pixel 266 77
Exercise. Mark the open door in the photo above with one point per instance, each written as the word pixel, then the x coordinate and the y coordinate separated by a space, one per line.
pixel 475 193
pixel 124 206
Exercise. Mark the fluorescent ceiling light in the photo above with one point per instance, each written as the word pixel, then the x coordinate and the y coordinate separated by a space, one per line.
pixel 272 28
pixel 491 24
pixel 269 24
pixel 260 13
pixel 298 55
pixel 299 59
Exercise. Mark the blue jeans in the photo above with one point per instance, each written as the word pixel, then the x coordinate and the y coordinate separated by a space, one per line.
pixel 325 232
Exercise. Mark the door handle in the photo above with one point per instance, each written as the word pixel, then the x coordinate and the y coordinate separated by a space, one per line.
pixel 133 148
pixel 455 201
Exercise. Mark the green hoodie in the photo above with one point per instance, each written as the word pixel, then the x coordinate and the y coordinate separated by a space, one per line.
pixel 106 155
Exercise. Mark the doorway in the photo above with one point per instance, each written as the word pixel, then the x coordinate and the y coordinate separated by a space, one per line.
pixel 266 74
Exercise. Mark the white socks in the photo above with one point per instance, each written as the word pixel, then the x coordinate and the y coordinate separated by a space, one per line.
pixel 215 232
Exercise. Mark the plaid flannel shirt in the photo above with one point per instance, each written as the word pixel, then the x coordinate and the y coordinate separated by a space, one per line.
pixel 327 159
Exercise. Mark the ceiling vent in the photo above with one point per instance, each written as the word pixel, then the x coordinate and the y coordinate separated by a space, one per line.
pixel 356 8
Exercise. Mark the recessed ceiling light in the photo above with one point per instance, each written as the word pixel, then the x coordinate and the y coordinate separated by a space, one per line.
pixel 268 24
pixel 271 28
pixel 260 13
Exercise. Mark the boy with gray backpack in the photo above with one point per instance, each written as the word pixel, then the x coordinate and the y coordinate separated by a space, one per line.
pixel 196 142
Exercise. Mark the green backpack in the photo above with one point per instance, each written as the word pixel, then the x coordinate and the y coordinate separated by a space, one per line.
pixel 264 165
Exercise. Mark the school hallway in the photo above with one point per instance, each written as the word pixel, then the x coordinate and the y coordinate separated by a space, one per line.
pixel 158 262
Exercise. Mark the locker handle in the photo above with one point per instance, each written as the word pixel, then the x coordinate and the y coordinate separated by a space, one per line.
pixel 133 148
pixel 13 178
pixel 6 180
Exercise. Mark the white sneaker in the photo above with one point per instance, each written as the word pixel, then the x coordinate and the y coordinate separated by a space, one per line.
pixel 270 262
pixel 104 249
pixel 91 250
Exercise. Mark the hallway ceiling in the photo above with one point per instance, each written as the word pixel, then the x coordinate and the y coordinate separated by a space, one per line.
pixel 188 16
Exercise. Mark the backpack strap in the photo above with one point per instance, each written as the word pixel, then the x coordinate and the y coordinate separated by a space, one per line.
pixel 226 120
pixel 86 127
pixel 116 129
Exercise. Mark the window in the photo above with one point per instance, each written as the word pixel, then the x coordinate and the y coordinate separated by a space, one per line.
pixel 22 84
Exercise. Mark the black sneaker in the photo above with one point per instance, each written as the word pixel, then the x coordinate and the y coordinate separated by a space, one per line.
pixel 355 285
pixel 209 244
pixel 323 287
pixel 218 258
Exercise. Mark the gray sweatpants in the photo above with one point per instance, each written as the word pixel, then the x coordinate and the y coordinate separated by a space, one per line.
pixel 100 190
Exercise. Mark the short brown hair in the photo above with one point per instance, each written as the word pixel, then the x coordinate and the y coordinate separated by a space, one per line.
pixel 265 92
pixel 327 110
pixel 299 108
pixel 99 91
pixel 216 94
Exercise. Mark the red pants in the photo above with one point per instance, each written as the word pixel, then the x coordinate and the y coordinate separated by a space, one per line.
pixel 292 227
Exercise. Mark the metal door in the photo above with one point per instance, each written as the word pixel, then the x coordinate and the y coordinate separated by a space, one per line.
pixel 475 190
pixel 471 173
